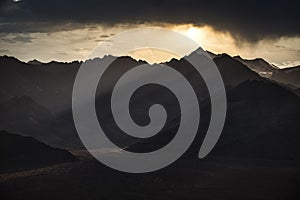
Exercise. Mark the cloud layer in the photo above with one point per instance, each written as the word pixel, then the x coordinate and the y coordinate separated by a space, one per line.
pixel 247 20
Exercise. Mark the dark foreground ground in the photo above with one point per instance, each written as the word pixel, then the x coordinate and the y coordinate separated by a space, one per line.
pixel 185 179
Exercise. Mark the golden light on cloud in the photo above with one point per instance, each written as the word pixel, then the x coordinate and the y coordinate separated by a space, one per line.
pixel 207 37
pixel 193 32
pixel 283 52
pixel 76 44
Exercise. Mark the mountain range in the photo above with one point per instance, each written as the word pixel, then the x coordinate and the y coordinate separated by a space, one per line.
pixel 263 108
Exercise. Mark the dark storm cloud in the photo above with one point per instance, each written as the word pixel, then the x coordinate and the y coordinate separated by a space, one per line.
pixel 251 20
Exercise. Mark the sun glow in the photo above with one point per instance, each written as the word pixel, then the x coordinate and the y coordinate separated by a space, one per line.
pixel 274 51
pixel 207 37
pixel 193 32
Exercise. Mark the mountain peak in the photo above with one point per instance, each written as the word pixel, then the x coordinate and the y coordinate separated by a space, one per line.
pixel 35 62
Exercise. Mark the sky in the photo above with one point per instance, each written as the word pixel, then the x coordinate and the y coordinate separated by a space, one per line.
pixel 68 30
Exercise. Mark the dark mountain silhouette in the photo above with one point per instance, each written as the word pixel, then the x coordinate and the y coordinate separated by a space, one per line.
pixel 34 62
pixel 289 77
pixel 48 84
pixel 36 101
pixel 234 72
pixel 25 116
pixel 261 124
pixel 19 153
pixel 258 65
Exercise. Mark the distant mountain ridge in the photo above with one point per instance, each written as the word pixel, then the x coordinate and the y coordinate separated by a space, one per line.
pixel 289 77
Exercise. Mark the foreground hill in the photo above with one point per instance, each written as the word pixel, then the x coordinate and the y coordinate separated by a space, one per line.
pixel 25 116
pixel 19 153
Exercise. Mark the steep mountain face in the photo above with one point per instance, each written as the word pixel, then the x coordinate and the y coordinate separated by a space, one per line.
pixel 259 65
pixel 234 72
pixel 261 123
pixel 19 153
